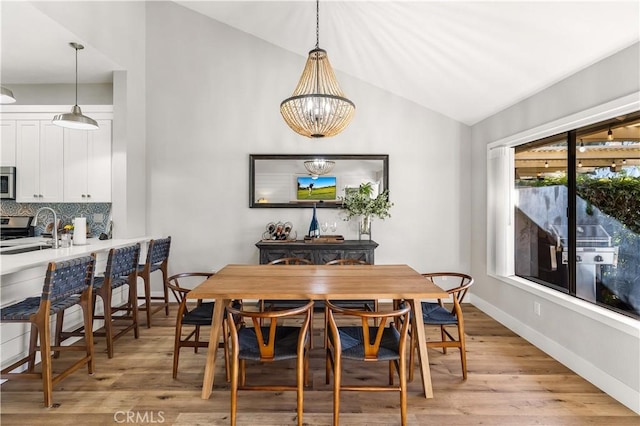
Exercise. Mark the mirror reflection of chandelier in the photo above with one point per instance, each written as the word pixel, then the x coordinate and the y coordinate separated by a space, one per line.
pixel 319 167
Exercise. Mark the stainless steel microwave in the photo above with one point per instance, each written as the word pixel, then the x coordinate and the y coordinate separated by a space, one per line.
pixel 8 183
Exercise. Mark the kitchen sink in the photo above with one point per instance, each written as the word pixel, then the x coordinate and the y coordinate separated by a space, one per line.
pixel 19 250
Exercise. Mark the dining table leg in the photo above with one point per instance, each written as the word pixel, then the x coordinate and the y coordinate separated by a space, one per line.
pixel 214 338
pixel 418 327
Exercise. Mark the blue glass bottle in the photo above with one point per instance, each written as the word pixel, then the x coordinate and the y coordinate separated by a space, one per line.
pixel 314 228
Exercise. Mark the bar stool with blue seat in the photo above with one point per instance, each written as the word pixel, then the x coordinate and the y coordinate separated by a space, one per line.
pixel 121 270
pixel 157 260
pixel 66 284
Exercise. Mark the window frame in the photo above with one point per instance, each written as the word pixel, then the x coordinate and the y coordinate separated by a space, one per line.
pixel 500 215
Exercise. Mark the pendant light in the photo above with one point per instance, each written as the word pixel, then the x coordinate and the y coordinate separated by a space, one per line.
pixel 609 134
pixel 317 107
pixel 75 119
pixel 6 96
pixel 582 147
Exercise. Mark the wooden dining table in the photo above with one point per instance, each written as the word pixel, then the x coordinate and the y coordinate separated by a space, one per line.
pixel 316 282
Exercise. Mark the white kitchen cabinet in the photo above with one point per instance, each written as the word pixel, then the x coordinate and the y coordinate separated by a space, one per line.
pixel 8 143
pixel 87 164
pixel 39 161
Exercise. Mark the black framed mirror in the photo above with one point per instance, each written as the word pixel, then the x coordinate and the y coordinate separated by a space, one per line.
pixel 284 181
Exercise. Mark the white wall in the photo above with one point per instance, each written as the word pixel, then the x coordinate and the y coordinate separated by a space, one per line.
pixel 601 346
pixel 213 96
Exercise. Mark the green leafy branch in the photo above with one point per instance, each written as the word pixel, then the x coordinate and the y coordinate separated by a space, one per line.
pixel 360 203
pixel 617 196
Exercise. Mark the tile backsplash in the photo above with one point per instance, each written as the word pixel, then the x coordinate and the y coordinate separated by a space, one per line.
pixel 97 214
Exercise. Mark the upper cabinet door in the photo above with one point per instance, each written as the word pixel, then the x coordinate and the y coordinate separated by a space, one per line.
pixel 38 161
pixel 99 163
pixel 75 165
pixel 8 143
pixel 87 164
pixel 27 161
pixel 51 162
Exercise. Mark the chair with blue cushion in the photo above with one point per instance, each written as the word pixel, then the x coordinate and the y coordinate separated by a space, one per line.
pixel 283 304
pixel 367 305
pixel 437 314
pixel 268 343
pixel 157 260
pixel 271 304
pixel 369 343
pixel 67 283
pixel 197 314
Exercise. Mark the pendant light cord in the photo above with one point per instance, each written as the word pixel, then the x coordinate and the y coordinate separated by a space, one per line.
pixel 76 49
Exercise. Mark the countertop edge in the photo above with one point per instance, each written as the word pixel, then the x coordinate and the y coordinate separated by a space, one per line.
pixel 10 264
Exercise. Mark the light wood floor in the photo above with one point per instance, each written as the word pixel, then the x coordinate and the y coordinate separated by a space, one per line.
pixel 510 383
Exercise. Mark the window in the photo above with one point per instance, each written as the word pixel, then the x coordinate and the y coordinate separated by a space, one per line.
pixel 571 219
pixel 576 212
pixel 540 211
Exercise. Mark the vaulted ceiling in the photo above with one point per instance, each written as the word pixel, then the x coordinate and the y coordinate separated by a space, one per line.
pixel 466 60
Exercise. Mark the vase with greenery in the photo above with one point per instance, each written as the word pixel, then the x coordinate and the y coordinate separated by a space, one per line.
pixel 360 203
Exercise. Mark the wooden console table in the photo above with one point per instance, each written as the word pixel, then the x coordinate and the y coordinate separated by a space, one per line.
pixel 318 253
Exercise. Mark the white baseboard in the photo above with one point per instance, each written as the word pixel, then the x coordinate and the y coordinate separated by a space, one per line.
pixel 619 391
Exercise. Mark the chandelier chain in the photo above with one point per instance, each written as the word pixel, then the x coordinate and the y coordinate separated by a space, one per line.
pixel 317 24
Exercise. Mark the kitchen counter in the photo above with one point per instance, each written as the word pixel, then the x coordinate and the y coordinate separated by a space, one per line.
pixel 11 263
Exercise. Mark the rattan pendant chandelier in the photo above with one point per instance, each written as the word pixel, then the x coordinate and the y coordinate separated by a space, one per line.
pixel 318 107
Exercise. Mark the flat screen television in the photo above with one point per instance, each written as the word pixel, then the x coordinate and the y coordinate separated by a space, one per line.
pixel 319 188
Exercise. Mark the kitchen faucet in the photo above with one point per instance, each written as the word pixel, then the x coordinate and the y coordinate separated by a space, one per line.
pixel 55 224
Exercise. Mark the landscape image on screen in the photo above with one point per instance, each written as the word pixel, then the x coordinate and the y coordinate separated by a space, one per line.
pixel 320 188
